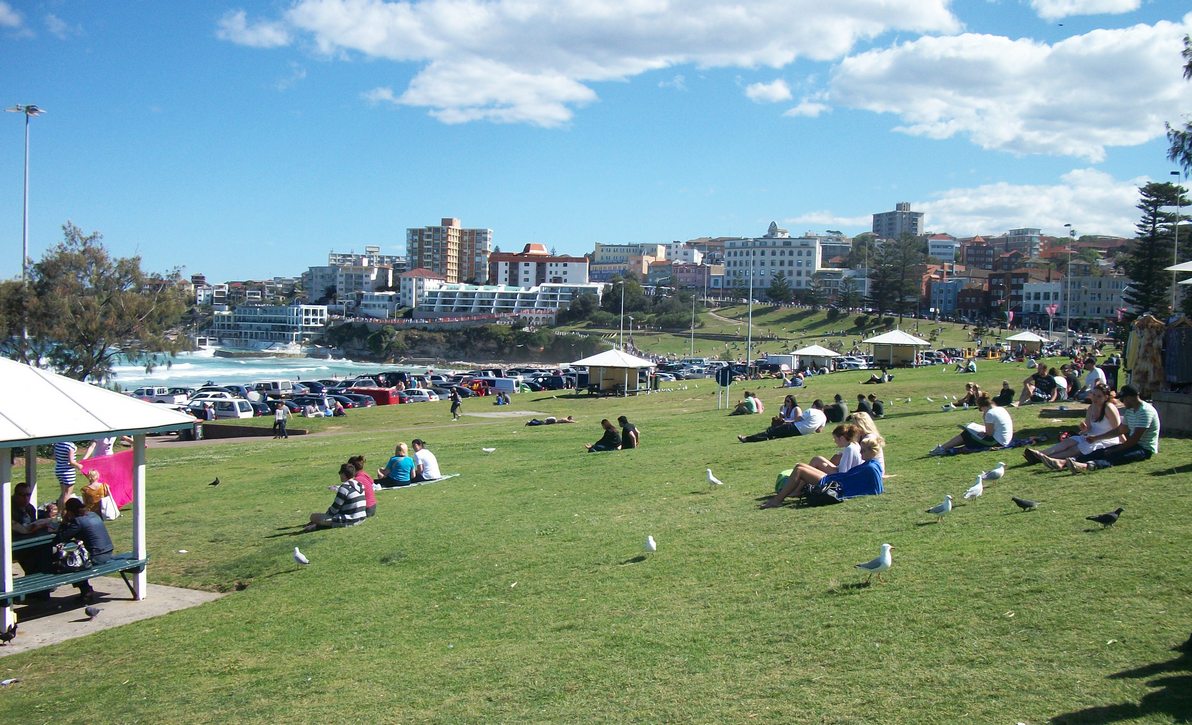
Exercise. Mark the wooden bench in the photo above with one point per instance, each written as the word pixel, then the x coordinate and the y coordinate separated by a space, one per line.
pixel 29 542
pixel 120 564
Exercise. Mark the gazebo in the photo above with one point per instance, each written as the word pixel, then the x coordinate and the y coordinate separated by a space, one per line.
pixel 610 373
pixel 40 408
pixel 817 354
pixel 895 348
pixel 1030 342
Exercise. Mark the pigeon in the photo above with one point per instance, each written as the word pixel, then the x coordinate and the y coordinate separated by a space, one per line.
pixel 1108 519
pixel 941 510
pixel 713 480
pixel 300 557
pixel 1024 503
pixel 488 450
pixel 215 482
pixel 651 546
pixel 975 490
pixel 997 472
pixel 883 562
pixel 9 634
pixel 92 612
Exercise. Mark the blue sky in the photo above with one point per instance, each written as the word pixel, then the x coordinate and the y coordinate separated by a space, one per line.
pixel 247 139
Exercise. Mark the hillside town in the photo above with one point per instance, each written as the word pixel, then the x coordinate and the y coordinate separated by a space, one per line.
pixel 453 275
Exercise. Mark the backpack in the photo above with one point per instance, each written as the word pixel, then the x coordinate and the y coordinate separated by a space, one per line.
pixel 69 556
pixel 824 493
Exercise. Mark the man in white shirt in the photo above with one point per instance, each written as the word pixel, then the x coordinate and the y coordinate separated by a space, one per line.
pixel 812 421
pixel 997 430
pixel 1092 376
pixel 426 466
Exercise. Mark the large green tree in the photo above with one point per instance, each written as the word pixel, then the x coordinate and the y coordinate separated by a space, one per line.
pixel 82 308
pixel 779 290
pixel 894 282
pixel 635 296
pixel 1180 150
pixel 1151 251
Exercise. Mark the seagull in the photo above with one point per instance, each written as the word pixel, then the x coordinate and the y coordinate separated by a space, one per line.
pixel 976 490
pixel 1108 519
pixel 996 472
pixel 883 562
pixel 928 398
pixel 651 546
pixel 941 510
pixel 908 400
pixel 215 482
pixel 300 557
pixel 1024 503
pixel 92 612
pixel 488 450
pixel 713 480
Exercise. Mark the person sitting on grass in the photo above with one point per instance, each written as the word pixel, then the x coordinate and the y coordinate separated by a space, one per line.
pixel 846 437
pixel 1038 388
pixel 837 411
pixel 1092 376
pixel 399 470
pixel 426 465
pixel 997 430
pixel 370 492
pixel 863 405
pixel 349 507
pixel 610 441
pixel 747 405
pixel 630 437
pixel 1005 396
pixel 867 428
pixel 1099 429
pixel 1140 425
pixel 875 379
pixel 864 479
pixel 789 412
pixel 812 421
pixel 972 393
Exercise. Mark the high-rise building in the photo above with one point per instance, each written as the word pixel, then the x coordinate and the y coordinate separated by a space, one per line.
pixel 456 253
pixel 894 224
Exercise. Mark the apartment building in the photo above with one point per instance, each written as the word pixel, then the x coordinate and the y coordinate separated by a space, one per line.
pixel 412 286
pixel 286 324
pixel 457 253
pixel 539 304
pixel 894 224
pixel 534 265
pixel 774 253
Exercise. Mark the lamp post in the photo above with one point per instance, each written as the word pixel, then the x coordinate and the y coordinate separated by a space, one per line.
pixel 749 332
pixel 1175 251
pixel 1068 285
pixel 29 110
pixel 693 324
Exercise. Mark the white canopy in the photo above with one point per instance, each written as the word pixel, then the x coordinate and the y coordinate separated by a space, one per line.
pixel 1027 336
pixel 816 351
pixel 897 337
pixel 614 359
pixel 1181 267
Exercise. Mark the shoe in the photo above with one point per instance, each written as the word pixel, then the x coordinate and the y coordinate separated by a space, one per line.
pixel 741 439
pixel 1031 455
pixel 939 450
pixel 1052 465
pixel 1079 468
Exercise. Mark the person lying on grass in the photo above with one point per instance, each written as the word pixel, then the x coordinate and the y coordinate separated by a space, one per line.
pixel 349 506
pixel 997 430
pixel 861 480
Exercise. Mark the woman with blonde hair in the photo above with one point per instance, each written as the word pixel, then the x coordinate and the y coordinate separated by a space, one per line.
pixel 868 429
pixel 862 480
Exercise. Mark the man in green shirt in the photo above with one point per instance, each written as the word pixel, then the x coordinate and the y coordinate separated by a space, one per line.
pixel 1140 425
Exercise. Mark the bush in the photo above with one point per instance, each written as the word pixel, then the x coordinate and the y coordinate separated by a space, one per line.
pixel 862 322
pixel 834 314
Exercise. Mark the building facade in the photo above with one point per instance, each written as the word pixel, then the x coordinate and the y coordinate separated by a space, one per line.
pixel 248 325
pixel 457 253
pixel 412 286
pixel 534 265
pixel 894 224
pixel 539 304
pixel 775 253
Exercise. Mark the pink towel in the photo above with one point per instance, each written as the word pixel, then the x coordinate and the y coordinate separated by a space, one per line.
pixel 116 471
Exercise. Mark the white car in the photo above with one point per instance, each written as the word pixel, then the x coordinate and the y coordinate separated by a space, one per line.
pixel 236 408
pixel 418 395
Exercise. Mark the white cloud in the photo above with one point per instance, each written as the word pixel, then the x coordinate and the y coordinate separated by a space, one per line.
pixel 808 108
pixel 380 94
pixel 534 60
pixel 1091 200
pixel 678 82
pixel 1057 9
pixel 234 27
pixel 9 17
pixel 775 91
pixel 824 219
pixel 60 29
pixel 1104 88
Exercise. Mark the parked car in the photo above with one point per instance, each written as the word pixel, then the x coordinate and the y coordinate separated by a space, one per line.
pixel 313 386
pixel 347 402
pixel 224 407
pixel 259 408
pixel 211 395
pixel 417 395
pixel 214 391
pixel 361 401
pixel 158 394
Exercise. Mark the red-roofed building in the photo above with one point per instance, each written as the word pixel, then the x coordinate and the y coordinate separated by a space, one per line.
pixel 533 266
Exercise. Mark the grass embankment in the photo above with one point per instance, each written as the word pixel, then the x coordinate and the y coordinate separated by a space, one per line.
pixel 513 593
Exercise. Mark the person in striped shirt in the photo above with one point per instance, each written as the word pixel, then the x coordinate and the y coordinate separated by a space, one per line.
pixel 349 506
pixel 66 468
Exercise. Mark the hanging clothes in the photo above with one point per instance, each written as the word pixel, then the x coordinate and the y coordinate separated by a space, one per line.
pixel 1177 354
pixel 1146 346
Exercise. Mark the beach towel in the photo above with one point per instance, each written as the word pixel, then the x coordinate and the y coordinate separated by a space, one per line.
pixel 419 483
pixel 116 471
pixel 1014 443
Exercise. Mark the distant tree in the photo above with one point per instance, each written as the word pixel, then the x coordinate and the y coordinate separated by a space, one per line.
pixel 1151 251
pixel 779 291
pixel 84 308
pixel 863 252
pixel 1180 139
pixel 581 308
pixel 635 296
pixel 848 296
pixel 892 278
pixel 739 286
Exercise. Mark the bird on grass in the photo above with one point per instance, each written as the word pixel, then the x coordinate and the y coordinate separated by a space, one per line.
pixel 1025 503
pixel 995 473
pixel 712 480
pixel 92 612
pixel 1106 519
pixel 941 510
pixel 651 545
pixel 488 450
pixel 883 562
pixel 300 557
pixel 948 406
pixel 908 400
pixel 929 399
pixel 215 482
pixel 975 490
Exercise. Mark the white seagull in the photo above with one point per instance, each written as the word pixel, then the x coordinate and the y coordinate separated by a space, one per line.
pixel 651 546
pixel 977 488
pixel 488 450
pixel 713 480
pixel 996 473
pixel 928 398
pixel 300 557
pixel 941 510
pixel 883 562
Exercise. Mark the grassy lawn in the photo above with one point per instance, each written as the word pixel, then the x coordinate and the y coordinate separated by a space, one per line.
pixel 516 591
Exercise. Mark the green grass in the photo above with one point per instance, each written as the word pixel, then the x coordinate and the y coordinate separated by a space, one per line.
pixel 513 593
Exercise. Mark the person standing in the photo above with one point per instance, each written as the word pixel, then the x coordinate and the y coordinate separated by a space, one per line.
pixel 281 414
pixel 66 468
pixel 456 403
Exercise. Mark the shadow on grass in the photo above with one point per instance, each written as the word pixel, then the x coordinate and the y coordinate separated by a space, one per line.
pixel 295 530
pixel 1171 698
pixel 1179 470
pixel 634 560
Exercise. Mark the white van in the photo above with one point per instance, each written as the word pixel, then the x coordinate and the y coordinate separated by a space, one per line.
pixel 274 388
pixel 158 394
pixel 238 408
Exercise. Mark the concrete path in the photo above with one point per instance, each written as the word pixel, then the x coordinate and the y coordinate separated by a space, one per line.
pixel 43 623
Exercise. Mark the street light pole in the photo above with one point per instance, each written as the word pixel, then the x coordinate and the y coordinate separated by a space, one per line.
pixel 1175 251
pixel 749 332
pixel 1068 285
pixel 29 110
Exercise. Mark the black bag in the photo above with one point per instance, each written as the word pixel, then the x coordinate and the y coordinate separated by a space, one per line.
pixel 824 493
pixel 69 556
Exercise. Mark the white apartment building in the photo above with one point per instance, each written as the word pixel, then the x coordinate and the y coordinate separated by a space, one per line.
pixel 775 253
pixel 353 279
pixel 943 247
pixel 378 305
pixel 371 257
pixel 540 303
pixel 1036 296
pixel 249 324
pixel 611 260
pixel 412 286
pixel 683 253
pixel 1097 298
pixel 534 265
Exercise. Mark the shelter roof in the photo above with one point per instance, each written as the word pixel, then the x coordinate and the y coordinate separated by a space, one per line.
pixel 897 337
pixel 614 359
